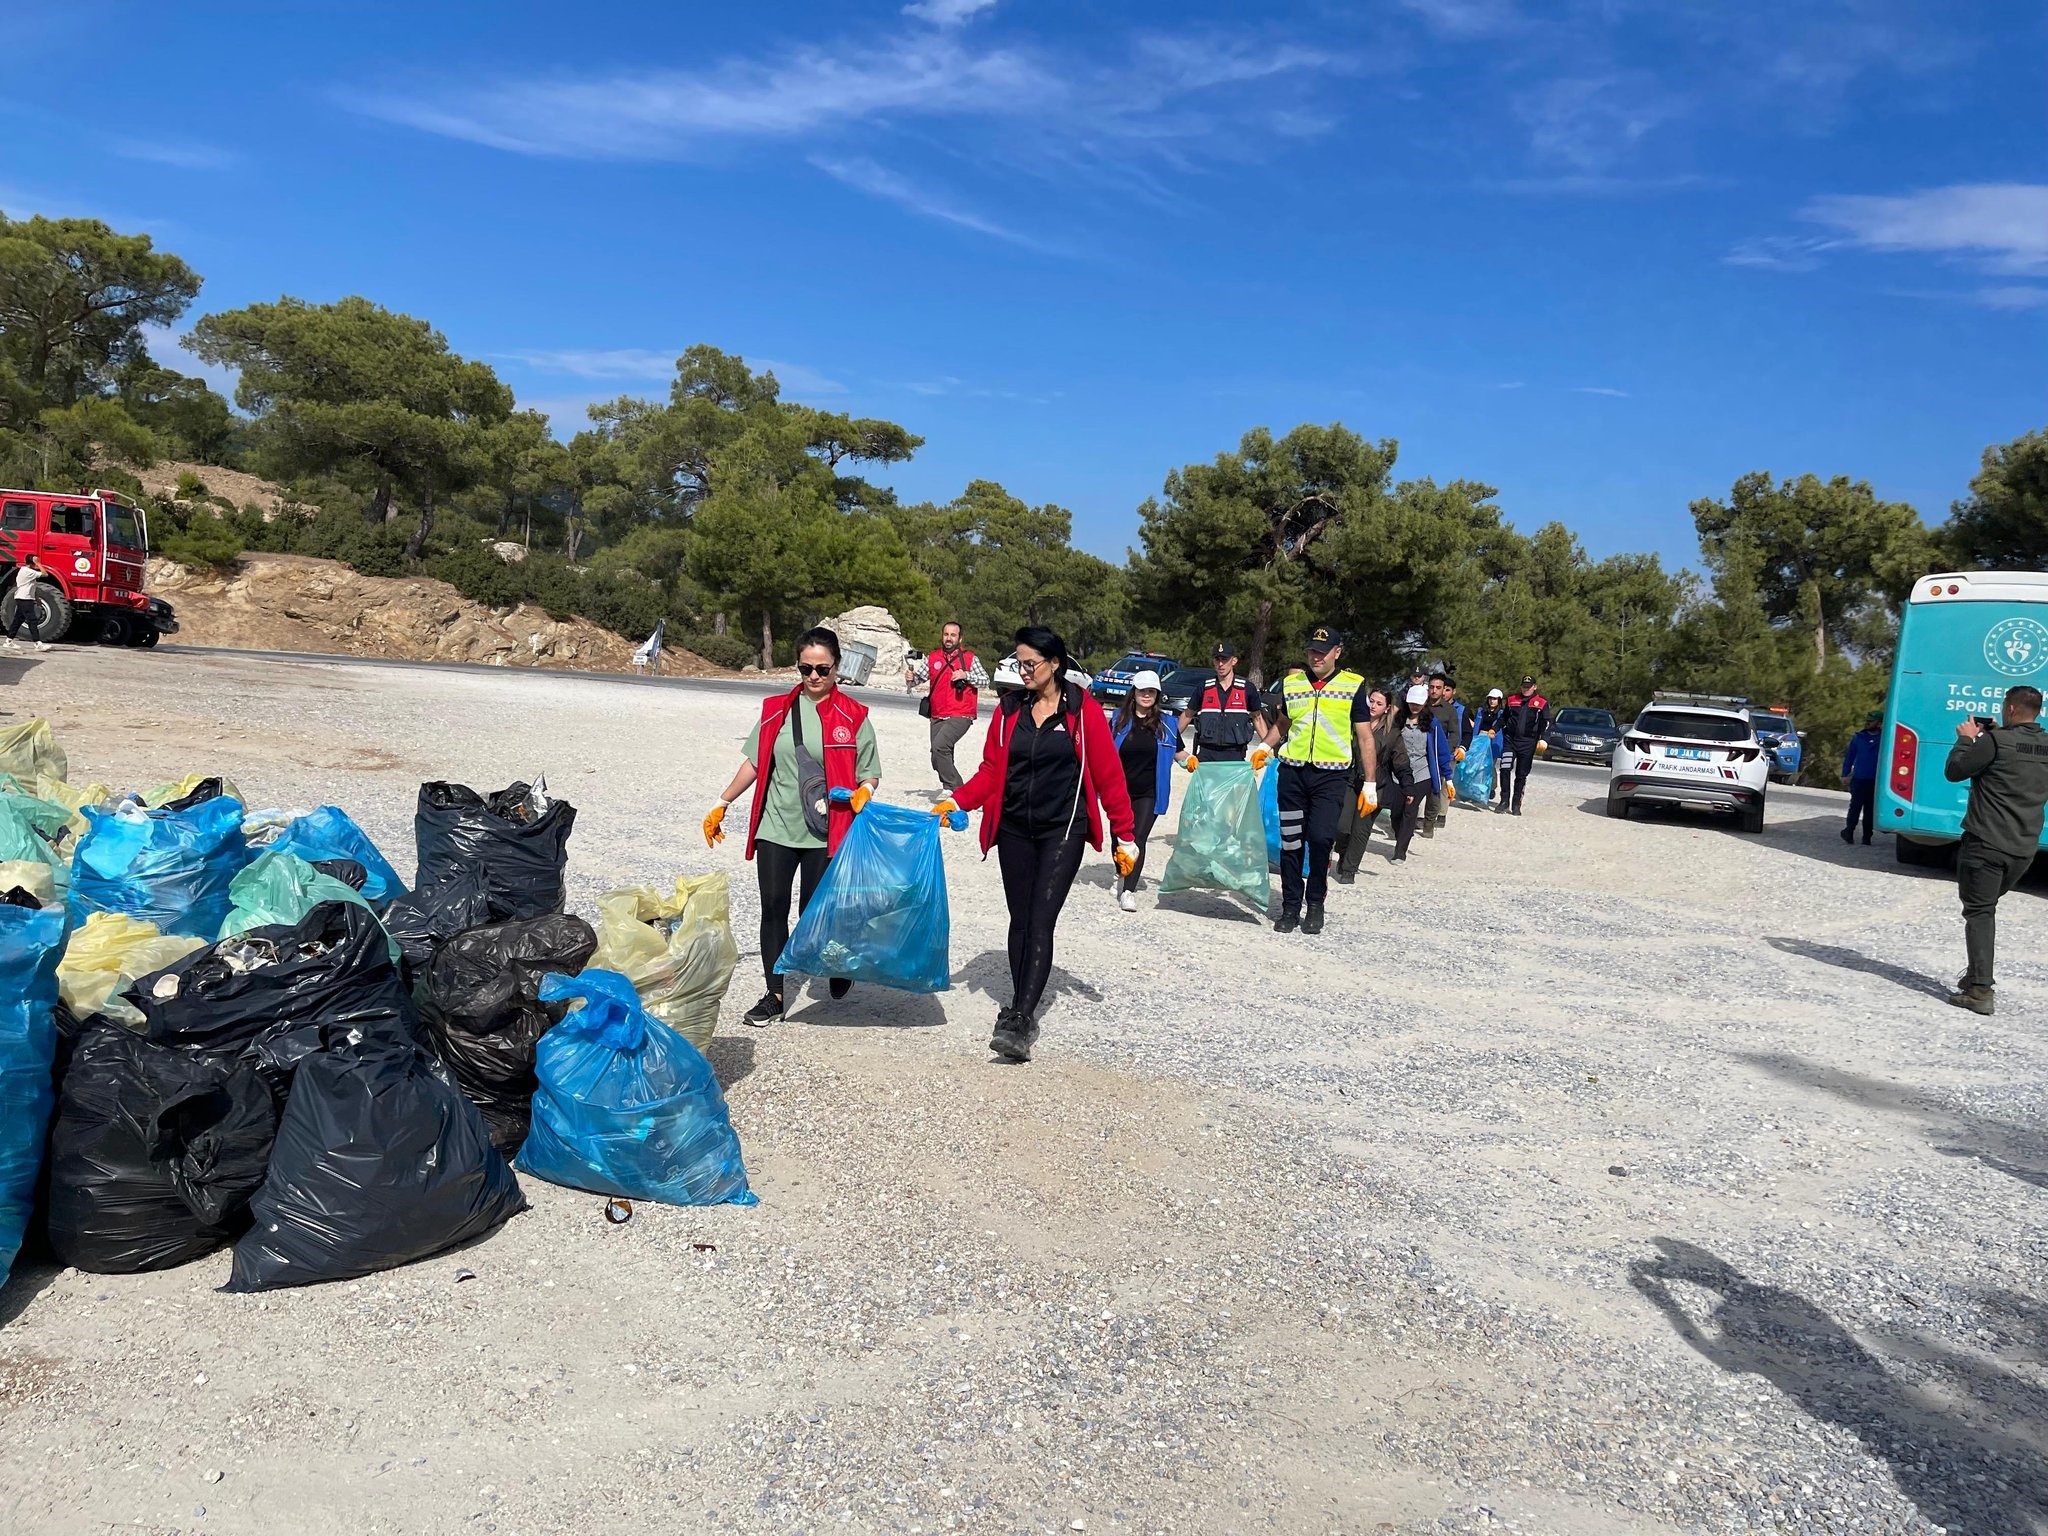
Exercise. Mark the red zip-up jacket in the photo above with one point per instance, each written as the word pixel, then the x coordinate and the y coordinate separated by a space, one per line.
pixel 1088 728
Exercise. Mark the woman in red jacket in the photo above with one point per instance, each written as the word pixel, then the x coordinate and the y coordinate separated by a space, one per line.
pixel 1049 775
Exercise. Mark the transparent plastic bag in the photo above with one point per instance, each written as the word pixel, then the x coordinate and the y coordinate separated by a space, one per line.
pixel 1221 845
pixel 880 913
pixel 677 951
pixel 29 750
pixel 1473 778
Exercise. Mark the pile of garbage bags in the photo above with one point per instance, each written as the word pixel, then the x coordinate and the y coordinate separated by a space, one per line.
pixel 222 1027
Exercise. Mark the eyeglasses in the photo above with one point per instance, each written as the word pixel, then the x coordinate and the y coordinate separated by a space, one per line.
pixel 809 669
pixel 1031 664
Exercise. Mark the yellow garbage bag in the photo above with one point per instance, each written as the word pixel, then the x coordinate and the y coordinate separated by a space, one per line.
pixel 29 750
pixel 31 875
pixel 677 951
pixel 105 955
pixel 164 794
pixel 73 798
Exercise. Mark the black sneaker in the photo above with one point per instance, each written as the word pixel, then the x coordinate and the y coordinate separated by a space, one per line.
pixel 1287 922
pixel 1013 1036
pixel 766 1011
pixel 1848 836
pixel 1312 920
pixel 839 986
pixel 1517 811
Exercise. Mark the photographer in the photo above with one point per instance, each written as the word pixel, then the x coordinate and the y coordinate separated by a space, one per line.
pixel 2007 770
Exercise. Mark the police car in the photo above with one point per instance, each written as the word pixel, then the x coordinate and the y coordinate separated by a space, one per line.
pixel 1007 676
pixel 1691 749
pixel 1783 741
pixel 1115 681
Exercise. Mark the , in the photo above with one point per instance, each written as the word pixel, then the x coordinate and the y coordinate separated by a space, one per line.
pixel 1964 638
pixel 1691 749
pixel 93 548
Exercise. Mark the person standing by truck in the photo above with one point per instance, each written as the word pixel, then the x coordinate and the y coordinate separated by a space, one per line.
pixel 27 610
pixel 2006 767
pixel 952 678
pixel 1859 771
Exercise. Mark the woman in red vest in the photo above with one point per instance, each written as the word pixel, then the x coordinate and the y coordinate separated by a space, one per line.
pixel 822 768
pixel 1049 778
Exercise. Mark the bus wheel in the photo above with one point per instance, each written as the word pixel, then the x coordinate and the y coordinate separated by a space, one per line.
pixel 115 629
pixel 1923 855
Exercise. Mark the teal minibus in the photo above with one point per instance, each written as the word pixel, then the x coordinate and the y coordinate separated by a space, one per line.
pixel 1964 638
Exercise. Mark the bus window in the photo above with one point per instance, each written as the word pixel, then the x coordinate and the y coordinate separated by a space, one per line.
pixel 73 521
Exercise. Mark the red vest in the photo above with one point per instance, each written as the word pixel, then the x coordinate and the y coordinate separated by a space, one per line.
pixel 839 753
pixel 948 702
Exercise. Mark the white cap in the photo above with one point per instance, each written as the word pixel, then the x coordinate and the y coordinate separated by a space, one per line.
pixel 1495 693
pixel 1419 694
pixel 1145 680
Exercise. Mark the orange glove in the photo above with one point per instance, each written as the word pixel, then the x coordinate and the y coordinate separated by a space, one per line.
pixel 1125 858
pixel 861 796
pixel 1191 762
pixel 1542 746
pixel 1260 757
pixel 944 808
pixel 1450 793
pixel 1368 801
pixel 714 826
pixel 1458 756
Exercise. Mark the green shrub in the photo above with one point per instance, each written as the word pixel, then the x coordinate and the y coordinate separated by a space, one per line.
pixel 206 543
pixel 190 486
pixel 722 650
pixel 478 575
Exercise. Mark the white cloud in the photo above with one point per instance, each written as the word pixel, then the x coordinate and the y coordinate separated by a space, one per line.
pixel 1591 121
pixel 948 13
pixel 1464 18
pixel 879 181
pixel 1781 253
pixel 183 155
pixel 1601 389
pixel 797 379
pixel 2003 225
pixel 599 362
pixel 2013 296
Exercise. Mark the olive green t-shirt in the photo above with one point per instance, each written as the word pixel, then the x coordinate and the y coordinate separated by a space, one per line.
pixel 782 814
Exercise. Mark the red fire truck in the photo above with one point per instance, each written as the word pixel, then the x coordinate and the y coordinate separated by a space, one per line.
pixel 92 549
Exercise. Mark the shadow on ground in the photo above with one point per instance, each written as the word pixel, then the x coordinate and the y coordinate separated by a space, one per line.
pixel 731 1058
pixel 988 974
pixel 28 1279
pixel 868 1006
pixel 2018 1151
pixel 1961 1471
pixel 1856 960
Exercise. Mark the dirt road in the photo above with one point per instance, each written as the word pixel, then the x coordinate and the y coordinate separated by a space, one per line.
pixel 1584 1177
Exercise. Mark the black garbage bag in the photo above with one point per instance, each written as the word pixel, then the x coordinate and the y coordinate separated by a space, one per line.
pixel 347 871
pixel 522 856
pixel 432 915
pixel 379 1161
pixel 330 972
pixel 480 1004
pixel 154 1153
pixel 198 794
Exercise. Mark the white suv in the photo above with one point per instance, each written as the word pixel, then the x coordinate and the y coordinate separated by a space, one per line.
pixel 1691 749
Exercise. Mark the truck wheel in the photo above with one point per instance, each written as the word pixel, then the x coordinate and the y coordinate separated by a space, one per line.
pixel 149 637
pixel 1617 806
pixel 115 629
pixel 56 611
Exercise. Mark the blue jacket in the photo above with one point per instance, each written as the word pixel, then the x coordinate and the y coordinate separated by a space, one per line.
pixel 1440 761
pixel 1163 793
pixel 1860 761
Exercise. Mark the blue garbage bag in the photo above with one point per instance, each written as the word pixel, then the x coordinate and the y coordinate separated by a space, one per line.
pixel 31 941
pixel 329 834
pixel 1269 811
pixel 626 1106
pixel 170 868
pixel 1473 777
pixel 1220 845
pixel 880 913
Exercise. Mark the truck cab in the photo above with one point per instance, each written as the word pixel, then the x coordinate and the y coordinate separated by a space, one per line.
pixel 92 548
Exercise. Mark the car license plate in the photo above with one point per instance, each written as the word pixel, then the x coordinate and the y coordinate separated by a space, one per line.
pixel 1696 754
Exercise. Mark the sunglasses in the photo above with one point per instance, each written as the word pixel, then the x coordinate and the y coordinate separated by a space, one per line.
pixel 814 669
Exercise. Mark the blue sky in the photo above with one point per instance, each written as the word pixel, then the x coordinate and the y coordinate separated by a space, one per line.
pixel 1604 256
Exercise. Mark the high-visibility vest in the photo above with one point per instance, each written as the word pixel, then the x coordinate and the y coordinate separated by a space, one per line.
pixel 1319 719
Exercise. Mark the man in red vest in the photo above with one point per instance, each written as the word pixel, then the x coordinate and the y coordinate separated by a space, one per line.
pixel 951 675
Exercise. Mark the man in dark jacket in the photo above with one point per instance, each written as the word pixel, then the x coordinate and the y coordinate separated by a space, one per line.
pixel 1525 720
pixel 1445 709
pixel 1859 771
pixel 2007 770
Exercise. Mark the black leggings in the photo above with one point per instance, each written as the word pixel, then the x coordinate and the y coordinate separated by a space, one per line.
pixel 1037 874
pixel 778 867
pixel 1408 805
pixel 1143 814
pixel 26 611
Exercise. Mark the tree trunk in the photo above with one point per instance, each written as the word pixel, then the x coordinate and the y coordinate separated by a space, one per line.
pixel 529 522
pixel 1820 635
pixel 425 526
pixel 505 515
pixel 767 642
pixel 380 504
pixel 718 622
pixel 1255 653
pixel 573 535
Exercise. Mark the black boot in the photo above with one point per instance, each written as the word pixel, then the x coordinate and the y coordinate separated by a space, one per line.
pixel 1287 921
pixel 1312 920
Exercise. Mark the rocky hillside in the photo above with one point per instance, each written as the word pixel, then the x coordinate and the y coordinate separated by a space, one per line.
pixel 292 603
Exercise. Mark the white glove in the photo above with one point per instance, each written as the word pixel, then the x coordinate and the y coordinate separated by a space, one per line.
pixel 1125 857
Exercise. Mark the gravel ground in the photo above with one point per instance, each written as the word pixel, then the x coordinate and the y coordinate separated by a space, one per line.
pixel 1582 1178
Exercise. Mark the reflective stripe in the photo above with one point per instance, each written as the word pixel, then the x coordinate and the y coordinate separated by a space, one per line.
pixel 1319 719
